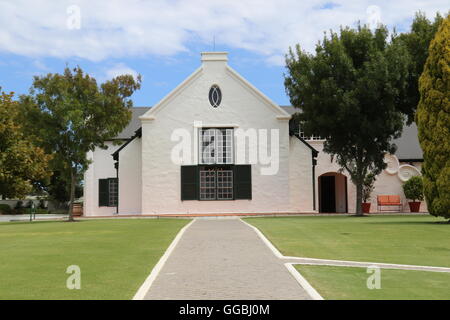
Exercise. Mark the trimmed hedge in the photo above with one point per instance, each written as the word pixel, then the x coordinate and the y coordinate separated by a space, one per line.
pixel 5 209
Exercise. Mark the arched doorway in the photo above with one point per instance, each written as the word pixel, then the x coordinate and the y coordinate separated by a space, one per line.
pixel 333 193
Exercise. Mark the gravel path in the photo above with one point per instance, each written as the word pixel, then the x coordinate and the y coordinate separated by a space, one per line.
pixel 223 259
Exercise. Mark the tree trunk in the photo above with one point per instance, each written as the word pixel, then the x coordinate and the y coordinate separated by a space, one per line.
pixel 73 179
pixel 359 188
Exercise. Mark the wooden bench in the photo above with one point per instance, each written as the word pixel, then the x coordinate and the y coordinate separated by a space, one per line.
pixel 389 201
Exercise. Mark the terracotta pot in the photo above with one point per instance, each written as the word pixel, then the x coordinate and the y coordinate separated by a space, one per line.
pixel 414 206
pixel 77 209
pixel 366 207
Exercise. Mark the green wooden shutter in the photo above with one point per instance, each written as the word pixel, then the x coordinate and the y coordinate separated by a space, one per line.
pixel 243 181
pixel 189 183
pixel 103 192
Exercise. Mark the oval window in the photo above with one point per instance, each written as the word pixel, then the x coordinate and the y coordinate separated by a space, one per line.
pixel 215 96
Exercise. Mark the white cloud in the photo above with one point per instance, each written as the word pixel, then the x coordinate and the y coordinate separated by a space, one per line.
pixel 117 28
pixel 119 69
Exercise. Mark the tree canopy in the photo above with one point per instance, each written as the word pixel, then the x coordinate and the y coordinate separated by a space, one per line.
pixel 433 121
pixel 348 92
pixel 417 41
pixel 70 114
pixel 21 162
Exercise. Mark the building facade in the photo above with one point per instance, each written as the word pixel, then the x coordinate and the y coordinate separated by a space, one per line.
pixel 216 144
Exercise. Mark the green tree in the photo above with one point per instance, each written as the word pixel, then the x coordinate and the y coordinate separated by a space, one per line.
pixel 58 187
pixel 417 41
pixel 70 114
pixel 348 92
pixel 21 162
pixel 433 121
pixel 413 188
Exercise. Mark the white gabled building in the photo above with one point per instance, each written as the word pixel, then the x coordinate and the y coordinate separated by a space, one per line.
pixel 215 144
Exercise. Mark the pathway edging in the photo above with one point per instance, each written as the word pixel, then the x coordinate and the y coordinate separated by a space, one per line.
pixel 140 294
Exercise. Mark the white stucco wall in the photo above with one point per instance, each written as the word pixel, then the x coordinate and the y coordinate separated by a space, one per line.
pixel 300 176
pixel 130 178
pixel 241 108
pixel 102 167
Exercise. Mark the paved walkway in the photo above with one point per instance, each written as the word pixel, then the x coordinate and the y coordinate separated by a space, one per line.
pixel 224 259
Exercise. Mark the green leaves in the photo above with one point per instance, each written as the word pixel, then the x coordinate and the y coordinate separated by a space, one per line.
pixel 413 188
pixel 75 115
pixel 348 92
pixel 416 42
pixel 433 122
pixel 69 114
pixel 21 162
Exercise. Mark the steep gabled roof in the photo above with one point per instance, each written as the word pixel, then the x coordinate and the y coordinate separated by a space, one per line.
pixel 134 123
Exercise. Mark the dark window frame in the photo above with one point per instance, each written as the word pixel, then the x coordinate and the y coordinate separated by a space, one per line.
pixel 215 101
pixel 104 197
pixel 215 167
pixel 190 184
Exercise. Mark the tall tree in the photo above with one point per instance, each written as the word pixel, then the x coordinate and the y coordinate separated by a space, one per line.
pixel 433 121
pixel 348 91
pixel 417 41
pixel 71 115
pixel 21 162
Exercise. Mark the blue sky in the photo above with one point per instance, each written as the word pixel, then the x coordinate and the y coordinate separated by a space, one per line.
pixel 162 40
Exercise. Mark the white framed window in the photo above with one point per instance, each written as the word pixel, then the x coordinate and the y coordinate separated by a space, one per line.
pixel 216 146
pixel 310 138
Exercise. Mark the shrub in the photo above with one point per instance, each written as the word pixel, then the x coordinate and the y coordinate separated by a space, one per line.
pixel 368 187
pixel 19 204
pixel 42 204
pixel 433 119
pixel 413 188
pixel 29 204
pixel 5 209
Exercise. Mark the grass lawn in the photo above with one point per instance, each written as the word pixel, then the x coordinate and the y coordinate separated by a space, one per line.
pixel 350 283
pixel 417 240
pixel 115 256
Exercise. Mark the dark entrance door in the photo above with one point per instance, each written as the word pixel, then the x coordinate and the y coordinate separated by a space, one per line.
pixel 327 194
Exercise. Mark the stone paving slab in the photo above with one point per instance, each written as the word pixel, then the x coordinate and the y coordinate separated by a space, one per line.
pixel 224 259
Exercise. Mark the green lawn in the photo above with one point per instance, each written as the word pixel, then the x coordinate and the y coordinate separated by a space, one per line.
pixel 115 256
pixel 418 240
pixel 351 283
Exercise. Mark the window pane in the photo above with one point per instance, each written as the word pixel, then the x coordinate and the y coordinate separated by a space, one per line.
pixel 207 184
pixel 224 146
pixel 113 192
pixel 224 184
pixel 208 147
pixel 216 146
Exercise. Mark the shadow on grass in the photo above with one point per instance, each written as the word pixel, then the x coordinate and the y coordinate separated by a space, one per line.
pixel 411 222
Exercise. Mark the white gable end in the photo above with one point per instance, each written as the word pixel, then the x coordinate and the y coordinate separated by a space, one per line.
pixel 237 93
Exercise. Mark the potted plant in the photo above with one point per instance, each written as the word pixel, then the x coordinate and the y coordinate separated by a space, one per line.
pixel 368 186
pixel 413 189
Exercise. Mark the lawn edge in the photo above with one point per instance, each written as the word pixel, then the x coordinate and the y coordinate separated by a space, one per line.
pixel 313 293
pixel 294 272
